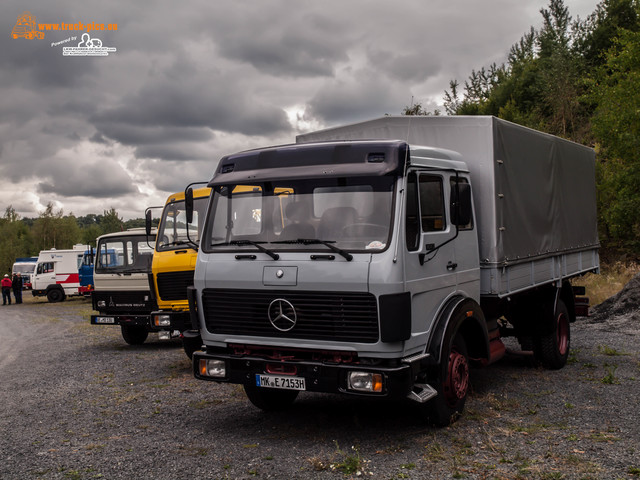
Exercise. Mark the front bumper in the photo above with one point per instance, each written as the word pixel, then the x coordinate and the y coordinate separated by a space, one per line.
pixel 319 376
pixel 119 319
pixel 170 320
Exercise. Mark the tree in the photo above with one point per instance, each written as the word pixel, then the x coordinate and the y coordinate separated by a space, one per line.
pixel 616 93
pixel 111 222
pixel 14 239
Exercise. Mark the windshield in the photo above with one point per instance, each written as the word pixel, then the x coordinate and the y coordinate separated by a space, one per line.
pixel 172 232
pixel 124 254
pixel 353 214
pixel 24 268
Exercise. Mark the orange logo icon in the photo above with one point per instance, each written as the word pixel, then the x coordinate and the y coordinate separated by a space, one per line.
pixel 26 27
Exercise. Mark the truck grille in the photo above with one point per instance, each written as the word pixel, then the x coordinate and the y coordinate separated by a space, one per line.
pixel 123 302
pixel 173 285
pixel 345 317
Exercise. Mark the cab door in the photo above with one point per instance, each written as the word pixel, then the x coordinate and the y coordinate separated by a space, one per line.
pixel 430 254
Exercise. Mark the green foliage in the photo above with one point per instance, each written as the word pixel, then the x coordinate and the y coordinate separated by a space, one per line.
pixel 579 80
pixel 26 237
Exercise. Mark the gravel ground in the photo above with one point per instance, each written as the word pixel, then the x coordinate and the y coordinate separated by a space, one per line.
pixel 79 403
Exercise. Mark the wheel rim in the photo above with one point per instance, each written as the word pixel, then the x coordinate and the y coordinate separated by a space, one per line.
pixel 457 382
pixel 562 333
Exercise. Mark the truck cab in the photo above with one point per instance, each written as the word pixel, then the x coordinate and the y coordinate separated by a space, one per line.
pixel 121 293
pixel 315 277
pixel 174 262
pixel 25 266
pixel 56 274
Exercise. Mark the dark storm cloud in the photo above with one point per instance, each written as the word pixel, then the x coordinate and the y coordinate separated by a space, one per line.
pixel 350 100
pixel 73 177
pixel 213 100
pixel 298 45
pixel 139 135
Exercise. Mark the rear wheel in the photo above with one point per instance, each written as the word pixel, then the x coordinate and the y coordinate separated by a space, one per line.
pixel 452 383
pixel 270 399
pixel 552 349
pixel 134 334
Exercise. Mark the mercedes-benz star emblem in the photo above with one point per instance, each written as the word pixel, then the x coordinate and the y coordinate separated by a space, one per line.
pixel 282 315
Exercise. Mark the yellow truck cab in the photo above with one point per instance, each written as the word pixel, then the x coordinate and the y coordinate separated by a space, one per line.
pixel 173 266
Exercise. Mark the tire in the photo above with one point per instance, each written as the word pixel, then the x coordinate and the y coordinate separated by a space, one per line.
pixel 270 399
pixel 552 349
pixel 452 383
pixel 134 334
pixel 55 295
pixel 191 344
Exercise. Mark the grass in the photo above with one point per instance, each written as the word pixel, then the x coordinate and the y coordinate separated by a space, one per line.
pixel 613 277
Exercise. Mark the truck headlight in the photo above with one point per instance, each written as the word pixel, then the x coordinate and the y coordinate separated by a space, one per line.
pixel 365 382
pixel 161 320
pixel 212 368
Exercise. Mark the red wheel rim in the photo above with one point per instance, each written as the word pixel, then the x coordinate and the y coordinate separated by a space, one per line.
pixel 457 382
pixel 562 333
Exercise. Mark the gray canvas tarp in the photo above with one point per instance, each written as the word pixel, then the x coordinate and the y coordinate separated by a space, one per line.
pixel 534 193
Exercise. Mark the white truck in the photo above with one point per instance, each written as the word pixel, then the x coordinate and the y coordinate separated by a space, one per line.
pixel 25 266
pixel 56 274
pixel 121 293
pixel 382 258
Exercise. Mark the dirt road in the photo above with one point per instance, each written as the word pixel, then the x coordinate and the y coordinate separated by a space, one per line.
pixel 77 402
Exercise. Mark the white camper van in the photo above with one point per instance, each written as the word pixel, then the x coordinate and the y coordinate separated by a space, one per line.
pixel 56 274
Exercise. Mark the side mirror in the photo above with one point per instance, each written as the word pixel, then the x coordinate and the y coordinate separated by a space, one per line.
pixel 188 204
pixel 461 204
pixel 147 222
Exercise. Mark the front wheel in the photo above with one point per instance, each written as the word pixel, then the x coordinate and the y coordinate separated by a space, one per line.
pixel 191 345
pixel 55 295
pixel 134 334
pixel 270 399
pixel 552 349
pixel 452 383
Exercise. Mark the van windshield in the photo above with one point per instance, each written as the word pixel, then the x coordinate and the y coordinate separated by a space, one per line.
pixel 353 214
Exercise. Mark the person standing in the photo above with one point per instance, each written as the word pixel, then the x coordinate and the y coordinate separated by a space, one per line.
pixel 6 289
pixel 16 285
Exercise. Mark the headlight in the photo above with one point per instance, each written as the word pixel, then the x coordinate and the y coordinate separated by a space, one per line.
pixel 161 320
pixel 365 382
pixel 212 368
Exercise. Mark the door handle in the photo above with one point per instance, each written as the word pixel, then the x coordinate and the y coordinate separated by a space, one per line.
pixel 451 266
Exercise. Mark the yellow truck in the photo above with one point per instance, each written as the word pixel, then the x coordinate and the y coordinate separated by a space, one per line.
pixel 173 266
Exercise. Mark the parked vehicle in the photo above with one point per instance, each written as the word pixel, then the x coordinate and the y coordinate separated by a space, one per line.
pixel 173 265
pixel 56 274
pixel 25 266
pixel 85 272
pixel 385 267
pixel 121 292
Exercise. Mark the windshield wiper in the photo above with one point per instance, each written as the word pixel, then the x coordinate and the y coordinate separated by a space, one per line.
pixel 275 256
pixel 326 243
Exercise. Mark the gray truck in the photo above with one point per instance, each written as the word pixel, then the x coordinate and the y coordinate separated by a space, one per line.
pixel 383 258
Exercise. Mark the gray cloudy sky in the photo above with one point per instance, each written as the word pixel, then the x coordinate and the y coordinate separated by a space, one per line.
pixel 192 81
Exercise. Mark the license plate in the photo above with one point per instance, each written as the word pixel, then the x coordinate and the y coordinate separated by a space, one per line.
pixel 282 382
pixel 105 320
